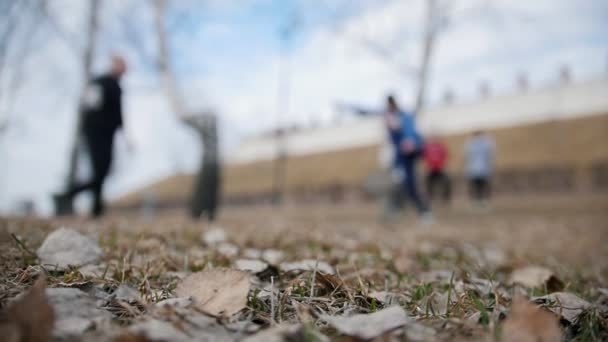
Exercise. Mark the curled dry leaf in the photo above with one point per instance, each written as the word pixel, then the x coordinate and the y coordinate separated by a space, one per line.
pixel 536 276
pixel 566 305
pixel 30 318
pixel 529 323
pixel 368 326
pixel 219 292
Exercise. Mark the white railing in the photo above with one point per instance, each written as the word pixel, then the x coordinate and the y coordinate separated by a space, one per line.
pixel 565 101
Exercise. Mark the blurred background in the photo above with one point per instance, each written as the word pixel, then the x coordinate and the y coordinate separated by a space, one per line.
pixel 296 87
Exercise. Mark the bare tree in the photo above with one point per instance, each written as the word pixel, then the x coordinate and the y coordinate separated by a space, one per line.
pixel 86 54
pixel 435 16
pixel 431 26
pixel 164 67
pixel 206 190
pixel 18 23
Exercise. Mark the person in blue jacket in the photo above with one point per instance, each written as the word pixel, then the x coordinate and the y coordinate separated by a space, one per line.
pixel 407 144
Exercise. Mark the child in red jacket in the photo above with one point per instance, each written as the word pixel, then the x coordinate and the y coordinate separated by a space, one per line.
pixel 435 157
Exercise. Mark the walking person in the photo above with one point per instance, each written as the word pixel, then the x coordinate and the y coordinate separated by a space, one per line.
pixel 479 155
pixel 435 157
pixel 102 117
pixel 407 145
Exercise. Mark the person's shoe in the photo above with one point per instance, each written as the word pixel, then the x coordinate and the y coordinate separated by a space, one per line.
pixel 427 219
pixel 98 210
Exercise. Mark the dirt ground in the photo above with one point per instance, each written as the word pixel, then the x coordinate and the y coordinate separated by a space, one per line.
pixel 565 234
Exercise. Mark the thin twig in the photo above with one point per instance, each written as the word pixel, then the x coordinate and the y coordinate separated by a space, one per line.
pixel 272 300
pixel 312 282
pixel 23 246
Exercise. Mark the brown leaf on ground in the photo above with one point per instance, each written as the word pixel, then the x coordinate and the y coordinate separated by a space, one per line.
pixel 129 337
pixel 528 322
pixel 288 332
pixel 218 292
pixel 368 326
pixel 30 318
pixel 304 312
pixel 536 276
pixel 566 305
pixel 404 264
pixel 329 283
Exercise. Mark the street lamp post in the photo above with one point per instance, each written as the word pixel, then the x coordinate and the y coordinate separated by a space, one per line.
pixel 283 93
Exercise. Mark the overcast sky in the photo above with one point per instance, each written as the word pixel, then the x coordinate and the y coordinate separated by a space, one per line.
pixel 226 53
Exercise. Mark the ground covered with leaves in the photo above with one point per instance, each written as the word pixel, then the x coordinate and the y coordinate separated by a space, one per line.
pixel 527 269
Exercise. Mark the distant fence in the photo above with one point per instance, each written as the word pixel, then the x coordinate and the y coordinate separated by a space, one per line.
pixel 530 180
pixel 599 176
pixel 536 180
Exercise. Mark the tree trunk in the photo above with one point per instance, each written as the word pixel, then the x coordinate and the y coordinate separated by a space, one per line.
pixel 87 62
pixel 206 192
pixel 205 196
pixel 164 67
pixel 430 33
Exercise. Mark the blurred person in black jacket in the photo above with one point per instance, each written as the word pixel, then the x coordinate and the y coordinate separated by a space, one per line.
pixel 102 117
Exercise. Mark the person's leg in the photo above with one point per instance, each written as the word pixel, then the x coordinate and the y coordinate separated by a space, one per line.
pixel 447 187
pixel 489 188
pixel 430 182
pixel 77 188
pixel 479 189
pixel 64 201
pixel 472 186
pixel 100 148
pixel 411 187
pixel 485 192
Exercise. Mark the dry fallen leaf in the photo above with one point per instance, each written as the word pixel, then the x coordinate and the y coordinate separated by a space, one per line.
pixel 566 305
pixel 368 326
pixel 153 330
pixel 536 276
pixel 219 292
pixel 304 312
pixel 404 264
pixel 30 318
pixel 529 323
pixel 130 337
pixel 291 332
